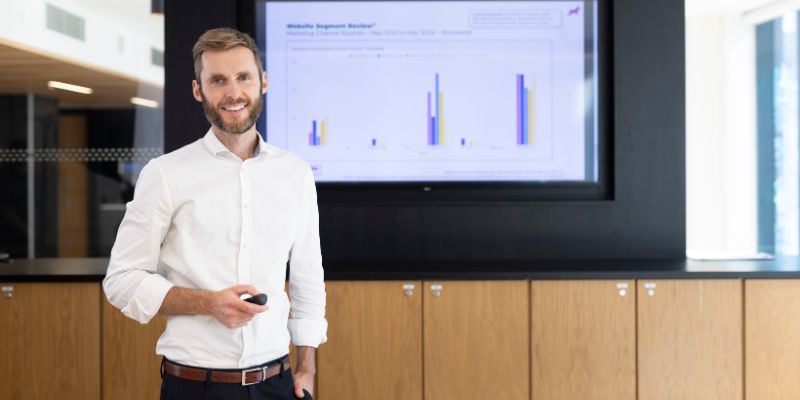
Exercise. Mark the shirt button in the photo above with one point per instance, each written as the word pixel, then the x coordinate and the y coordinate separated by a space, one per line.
pixel 244 206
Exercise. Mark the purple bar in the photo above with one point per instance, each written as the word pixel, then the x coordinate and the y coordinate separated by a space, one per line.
pixel 310 138
pixel 523 108
pixel 519 109
pixel 430 131
pixel 438 113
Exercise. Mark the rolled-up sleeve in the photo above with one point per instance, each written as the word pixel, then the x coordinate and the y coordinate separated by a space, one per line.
pixel 307 324
pixel 132 282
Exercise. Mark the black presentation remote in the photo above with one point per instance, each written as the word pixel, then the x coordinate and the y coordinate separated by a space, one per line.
pixel 259 299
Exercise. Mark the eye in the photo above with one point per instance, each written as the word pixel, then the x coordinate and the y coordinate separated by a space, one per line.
pixel 218 81
pixel 244 78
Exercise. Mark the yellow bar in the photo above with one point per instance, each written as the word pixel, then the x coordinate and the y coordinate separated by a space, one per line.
pixel 531 117
pixel 322 129
pixel 441 118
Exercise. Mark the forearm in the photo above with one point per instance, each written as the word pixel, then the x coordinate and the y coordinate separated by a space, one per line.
pixel 305 359
pixel 183 301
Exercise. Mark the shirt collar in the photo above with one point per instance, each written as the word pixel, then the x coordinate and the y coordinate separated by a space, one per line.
pixel 215 147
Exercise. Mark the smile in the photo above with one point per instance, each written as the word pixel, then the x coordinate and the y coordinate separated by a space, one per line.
pixel 236 107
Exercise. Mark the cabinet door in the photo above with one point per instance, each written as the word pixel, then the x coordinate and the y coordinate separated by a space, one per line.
pixel 690 339
pixel 476 340
pixel 131 368
pixel 374 348
pixel 583 340
pixel 772 329
pixel 50 341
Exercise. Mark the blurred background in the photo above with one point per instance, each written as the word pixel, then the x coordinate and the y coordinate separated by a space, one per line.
pixel 81 111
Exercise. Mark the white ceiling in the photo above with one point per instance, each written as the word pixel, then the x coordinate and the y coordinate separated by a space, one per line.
pixel 699 7
pixel 133 14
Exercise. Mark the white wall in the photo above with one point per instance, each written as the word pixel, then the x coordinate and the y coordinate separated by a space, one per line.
pixel 23 23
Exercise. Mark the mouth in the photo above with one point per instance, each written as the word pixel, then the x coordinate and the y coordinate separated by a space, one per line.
pixel 234 108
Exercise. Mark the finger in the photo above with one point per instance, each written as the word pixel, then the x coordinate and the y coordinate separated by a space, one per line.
pixel 244 289
pixel 249 308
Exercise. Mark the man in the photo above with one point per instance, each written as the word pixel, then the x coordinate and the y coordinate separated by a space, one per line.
pixel 218 220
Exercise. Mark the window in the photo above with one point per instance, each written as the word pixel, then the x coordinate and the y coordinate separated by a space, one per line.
pixel 743 176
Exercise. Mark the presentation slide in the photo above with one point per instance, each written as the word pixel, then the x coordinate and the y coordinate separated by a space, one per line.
pixel 435 91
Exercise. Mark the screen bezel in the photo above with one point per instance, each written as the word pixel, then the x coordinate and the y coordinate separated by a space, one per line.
pixel 471 192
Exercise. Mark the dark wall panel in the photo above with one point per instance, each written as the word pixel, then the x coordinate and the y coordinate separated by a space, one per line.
pixel 14 176
pixel 184 22
pixel 645 219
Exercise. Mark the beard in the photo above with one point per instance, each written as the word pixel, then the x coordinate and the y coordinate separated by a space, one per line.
pixel 215 118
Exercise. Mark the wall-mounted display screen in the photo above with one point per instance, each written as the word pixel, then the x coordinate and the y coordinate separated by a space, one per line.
pixel 435 91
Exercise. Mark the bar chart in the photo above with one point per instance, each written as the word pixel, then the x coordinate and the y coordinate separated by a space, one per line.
pixel 318 135
pixel 436 121
pixel 431 97
pixel 526 116
pixel 410 100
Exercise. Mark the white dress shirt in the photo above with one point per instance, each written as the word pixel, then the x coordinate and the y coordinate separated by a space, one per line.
pixel 202 218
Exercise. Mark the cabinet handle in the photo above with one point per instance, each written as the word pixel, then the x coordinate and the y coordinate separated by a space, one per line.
pixel 651 288
pixel 622 288
pixel 408 289
pixel 8 292
pixel 436 290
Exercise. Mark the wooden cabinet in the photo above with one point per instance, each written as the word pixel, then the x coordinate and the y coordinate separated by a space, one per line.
pixel 772 329
pixel 476 340
pixel 470 339
pixel 542 340
pixel 374 348
pixel 583 340
pixel 131 368
pixel 50 341
pixel 690 339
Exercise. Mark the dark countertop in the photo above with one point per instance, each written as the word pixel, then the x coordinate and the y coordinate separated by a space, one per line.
pixel 94 269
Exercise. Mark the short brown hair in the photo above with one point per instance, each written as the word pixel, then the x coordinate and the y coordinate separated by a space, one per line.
pixel 223 39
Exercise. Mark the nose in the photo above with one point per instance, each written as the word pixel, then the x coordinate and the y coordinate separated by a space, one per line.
pixel 232 91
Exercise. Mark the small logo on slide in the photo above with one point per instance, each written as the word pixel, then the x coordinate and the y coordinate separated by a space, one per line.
pixel 574 11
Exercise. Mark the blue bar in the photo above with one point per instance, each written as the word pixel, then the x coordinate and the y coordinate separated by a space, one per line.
pixel 435 133
pixel 314 132
pixel 374 141
pixel 525 116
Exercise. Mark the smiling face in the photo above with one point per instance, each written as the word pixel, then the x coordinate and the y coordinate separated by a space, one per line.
pixel 231 89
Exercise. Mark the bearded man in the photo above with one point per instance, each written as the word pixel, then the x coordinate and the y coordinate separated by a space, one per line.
pixel 217 220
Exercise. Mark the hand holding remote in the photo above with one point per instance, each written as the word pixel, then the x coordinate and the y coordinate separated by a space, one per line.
pixel 259 299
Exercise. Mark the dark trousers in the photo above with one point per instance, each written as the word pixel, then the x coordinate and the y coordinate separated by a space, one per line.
pixel 279 387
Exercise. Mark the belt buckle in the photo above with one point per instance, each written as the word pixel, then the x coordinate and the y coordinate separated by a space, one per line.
pixel 244 375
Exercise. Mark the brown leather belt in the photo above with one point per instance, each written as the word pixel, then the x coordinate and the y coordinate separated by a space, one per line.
pixel 244 377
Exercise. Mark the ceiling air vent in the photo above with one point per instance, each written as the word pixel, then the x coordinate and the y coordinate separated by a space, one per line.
pixel 156 57
pixel 67 23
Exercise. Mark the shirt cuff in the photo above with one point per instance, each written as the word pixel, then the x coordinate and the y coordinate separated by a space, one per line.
pixel 308 332
pixel 147 299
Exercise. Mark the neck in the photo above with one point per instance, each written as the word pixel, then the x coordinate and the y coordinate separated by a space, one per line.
pixel 243 145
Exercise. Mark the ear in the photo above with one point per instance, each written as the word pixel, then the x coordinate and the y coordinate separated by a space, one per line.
pixel 196 91
pixel 264 82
